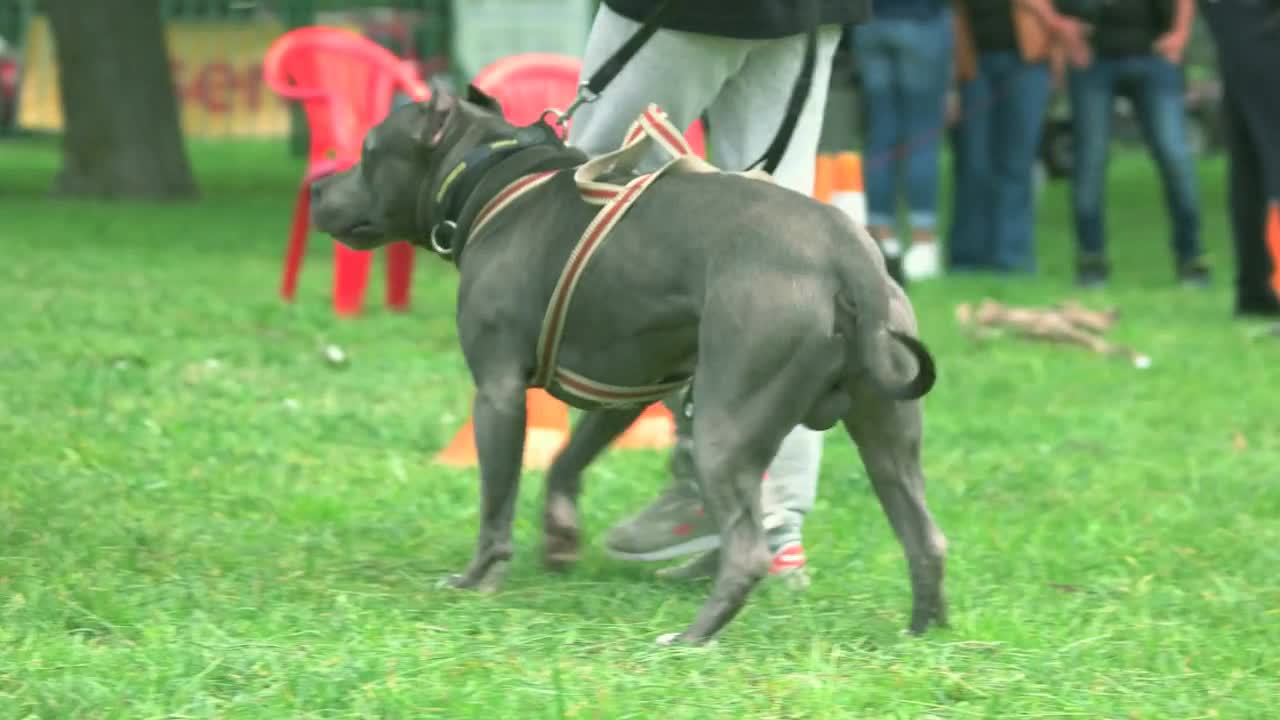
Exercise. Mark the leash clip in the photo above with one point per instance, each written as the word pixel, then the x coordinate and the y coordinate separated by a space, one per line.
pixel 440 248
pixel 586 96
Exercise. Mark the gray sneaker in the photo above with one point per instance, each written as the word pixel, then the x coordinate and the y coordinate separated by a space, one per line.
pixel 674 525
pixel 701 567
pixel 789 566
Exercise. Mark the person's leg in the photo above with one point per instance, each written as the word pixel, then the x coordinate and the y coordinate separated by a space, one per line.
pixel 1092 92
pixel 744 118
pixel 1251 108
pixel 1261 110
pixel 875 52
pixel 969 244
pixel 1023 90
pixel 1248 209
pixel 924 71
pixel 1253 113
pixel 674 524
pixel 765 82
pixel 1159 99
pixel 701 62
pixel 747 112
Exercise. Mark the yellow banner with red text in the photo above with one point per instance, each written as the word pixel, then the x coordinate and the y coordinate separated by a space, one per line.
pixel 217 75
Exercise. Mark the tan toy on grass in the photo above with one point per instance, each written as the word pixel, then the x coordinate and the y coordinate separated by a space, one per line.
pixel 1068 323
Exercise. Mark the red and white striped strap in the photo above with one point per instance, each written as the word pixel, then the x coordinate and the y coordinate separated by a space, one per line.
pixel 615 395
pixel 651 127
pixel 508 195
pixel 592 239
pixel 654 123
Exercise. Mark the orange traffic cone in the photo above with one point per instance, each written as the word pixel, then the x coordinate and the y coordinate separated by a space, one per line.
pixel 847 193
pixel 1273 244
pixel 655 428
pixel 824 177
pixel 546 430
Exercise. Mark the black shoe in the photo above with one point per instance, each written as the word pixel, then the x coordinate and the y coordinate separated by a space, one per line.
pixel 1260 302
pixel 1256 309
pixel 1092 271
pixel 1195 273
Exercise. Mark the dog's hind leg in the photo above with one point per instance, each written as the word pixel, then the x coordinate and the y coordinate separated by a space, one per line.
pixel 731 467
pixel 499 415
pixel 750 394
pixel 888 435
pixel 560 529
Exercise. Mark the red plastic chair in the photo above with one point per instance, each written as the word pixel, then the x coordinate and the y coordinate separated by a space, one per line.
pixel 528 84
pixel 346 84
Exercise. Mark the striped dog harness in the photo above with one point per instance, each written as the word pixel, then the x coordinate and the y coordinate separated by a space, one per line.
pixel 652 127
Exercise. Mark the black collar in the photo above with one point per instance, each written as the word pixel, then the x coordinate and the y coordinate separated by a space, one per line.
pixel 448 201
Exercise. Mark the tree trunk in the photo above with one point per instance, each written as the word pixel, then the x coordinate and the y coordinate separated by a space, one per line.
pixel 121 135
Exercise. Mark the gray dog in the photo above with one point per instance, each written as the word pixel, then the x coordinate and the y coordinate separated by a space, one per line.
pixel 778 304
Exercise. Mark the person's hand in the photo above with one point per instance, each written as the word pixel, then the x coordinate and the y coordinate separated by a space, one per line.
pixel 1074 37
pixel 1172 46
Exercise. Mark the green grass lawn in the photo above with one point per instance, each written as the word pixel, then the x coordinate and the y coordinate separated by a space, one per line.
pixel 201 517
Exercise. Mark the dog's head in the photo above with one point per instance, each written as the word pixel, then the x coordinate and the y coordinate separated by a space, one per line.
pixel 386 196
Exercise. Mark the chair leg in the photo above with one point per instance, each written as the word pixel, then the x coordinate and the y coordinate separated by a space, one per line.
pixel 297 242
pixel 350 276
pixel 399 274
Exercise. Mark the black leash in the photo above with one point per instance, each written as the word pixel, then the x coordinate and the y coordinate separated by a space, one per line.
pixel 795 104
pixel 589 90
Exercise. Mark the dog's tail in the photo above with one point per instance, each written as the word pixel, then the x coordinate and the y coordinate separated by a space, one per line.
pixel 871 348
pixel 862 318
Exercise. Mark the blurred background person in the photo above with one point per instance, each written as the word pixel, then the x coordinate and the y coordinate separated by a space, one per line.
pixel 1247 35
pixel 904 57
pixel 1136 51
pixel 1002 54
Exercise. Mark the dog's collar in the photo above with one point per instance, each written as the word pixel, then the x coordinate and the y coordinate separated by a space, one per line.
pixel 447 202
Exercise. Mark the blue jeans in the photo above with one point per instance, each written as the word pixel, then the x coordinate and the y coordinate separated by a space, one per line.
pixel 1156 88
pixel 995 143
pixel 905 66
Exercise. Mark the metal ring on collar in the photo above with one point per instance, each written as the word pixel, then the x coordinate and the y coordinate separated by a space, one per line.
pixel 436 245
pixel 560 117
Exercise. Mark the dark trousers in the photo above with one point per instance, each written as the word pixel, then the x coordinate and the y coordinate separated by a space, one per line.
pixel 1249 61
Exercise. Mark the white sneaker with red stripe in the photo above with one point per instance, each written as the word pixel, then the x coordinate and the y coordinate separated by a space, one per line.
pixel 790 566
pixel 923 260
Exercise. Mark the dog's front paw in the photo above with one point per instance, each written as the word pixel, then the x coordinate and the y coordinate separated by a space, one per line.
pixel 683 640
pixel 668 639
pixel 929 612
pixel 560 550
pixel 486 577
pixel 561 533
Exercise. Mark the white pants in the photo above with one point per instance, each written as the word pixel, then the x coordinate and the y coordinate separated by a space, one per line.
pixel 743 86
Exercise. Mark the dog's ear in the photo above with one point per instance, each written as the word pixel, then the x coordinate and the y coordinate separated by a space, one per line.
pixel 476 96
pixel 442 101
pixel 435 114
